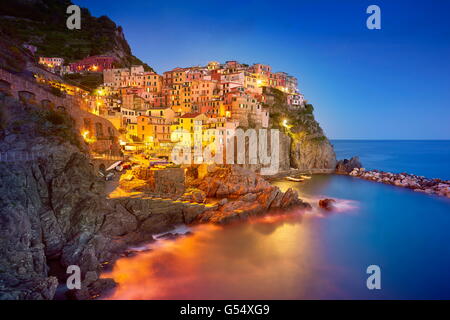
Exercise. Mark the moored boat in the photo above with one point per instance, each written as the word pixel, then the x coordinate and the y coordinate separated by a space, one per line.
pixel 294 179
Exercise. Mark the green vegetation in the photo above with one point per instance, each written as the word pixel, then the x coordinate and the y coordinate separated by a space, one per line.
pixel 32 121
pixel 309 109
pixel 12 57
pixel 87 81
pixel 43 24
pixel 300 121
pixel 53 123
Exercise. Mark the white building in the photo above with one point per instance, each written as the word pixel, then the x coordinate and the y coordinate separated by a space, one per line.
pixel 51 62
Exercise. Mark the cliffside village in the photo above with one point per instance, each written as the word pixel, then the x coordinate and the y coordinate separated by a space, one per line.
pixel 153 112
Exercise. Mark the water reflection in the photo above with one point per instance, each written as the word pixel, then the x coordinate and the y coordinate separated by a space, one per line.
pixel 309 255
pixel 241 261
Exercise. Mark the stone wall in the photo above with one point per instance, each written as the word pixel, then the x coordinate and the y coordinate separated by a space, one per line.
pixel 30 92
pixel 162 181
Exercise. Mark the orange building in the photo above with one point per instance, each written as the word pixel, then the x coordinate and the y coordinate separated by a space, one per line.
pixel 153 130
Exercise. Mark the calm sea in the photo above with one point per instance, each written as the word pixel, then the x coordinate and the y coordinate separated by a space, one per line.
pixel 315 255
pixel 428 158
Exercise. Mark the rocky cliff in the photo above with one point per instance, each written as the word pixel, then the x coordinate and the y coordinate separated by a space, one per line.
pixel 241 194
pixel 52 208
pixel 309 147
pixel 48 203
pixel 54 213
pixel 43 23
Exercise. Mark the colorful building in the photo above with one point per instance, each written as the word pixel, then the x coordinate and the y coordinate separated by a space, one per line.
pixel 183 129
pixel 167 113
pixel 153 130
pixel 93 64
pixel 52 62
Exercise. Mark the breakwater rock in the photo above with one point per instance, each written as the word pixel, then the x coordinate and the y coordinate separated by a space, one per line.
pixel 417 183
pixel 346 166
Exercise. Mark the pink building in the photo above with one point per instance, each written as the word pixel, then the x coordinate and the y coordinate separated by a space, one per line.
pixel 93 64
pixel 296 100
pixel 195 74
pixel 51 62
pixel 262 69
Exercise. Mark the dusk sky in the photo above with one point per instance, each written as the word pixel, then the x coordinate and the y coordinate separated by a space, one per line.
pixel 392 83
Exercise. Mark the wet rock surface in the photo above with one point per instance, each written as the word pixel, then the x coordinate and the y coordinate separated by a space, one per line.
pixel 242 194
pixel 327 204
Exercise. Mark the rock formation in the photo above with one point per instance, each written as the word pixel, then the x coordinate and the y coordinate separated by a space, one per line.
pixel 346 166
pixel 37 22
pixel 327 204
pixel 312 153
pixel 417 183
pixel 165 182
pixel 242 193
pixel 53 210
pixel 54 213
pixel 309 147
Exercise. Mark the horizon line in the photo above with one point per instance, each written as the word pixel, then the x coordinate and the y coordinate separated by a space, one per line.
pixel 371 139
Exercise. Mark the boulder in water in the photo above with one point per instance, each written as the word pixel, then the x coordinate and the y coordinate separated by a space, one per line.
pixel 327 204
pixel 347 166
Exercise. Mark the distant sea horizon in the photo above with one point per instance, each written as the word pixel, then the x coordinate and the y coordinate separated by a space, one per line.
pixel 389 139
pixel 429 158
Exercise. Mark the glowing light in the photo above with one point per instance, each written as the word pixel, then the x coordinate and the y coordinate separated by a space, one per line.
pixel 85 135
pixel 285 123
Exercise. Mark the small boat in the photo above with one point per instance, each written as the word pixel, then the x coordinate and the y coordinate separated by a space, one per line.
pixel 109 176
pixel 306 177
pixel 294 179
pixel 115 165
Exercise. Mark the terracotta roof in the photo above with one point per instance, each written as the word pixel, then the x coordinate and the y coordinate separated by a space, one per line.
pixel 158 108
pixel 191 115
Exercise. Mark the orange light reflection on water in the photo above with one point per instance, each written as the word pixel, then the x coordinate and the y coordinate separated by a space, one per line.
pixel 265 258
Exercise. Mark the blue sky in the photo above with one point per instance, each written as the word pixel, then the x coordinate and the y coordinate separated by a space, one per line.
pixel 392 83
